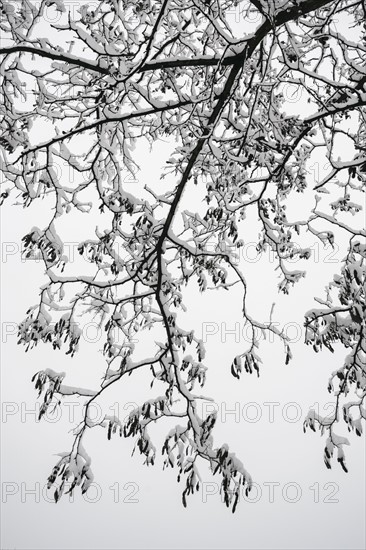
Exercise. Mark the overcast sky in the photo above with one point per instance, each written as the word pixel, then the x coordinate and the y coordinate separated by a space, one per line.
pixel 296 503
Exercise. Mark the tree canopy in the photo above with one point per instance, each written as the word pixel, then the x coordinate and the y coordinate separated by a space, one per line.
pixel 104 77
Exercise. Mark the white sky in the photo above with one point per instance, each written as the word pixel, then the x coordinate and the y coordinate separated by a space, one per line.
pixel 328 507
pixel 273 451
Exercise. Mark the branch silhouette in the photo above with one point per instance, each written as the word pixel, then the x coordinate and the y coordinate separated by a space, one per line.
pixel 185 75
